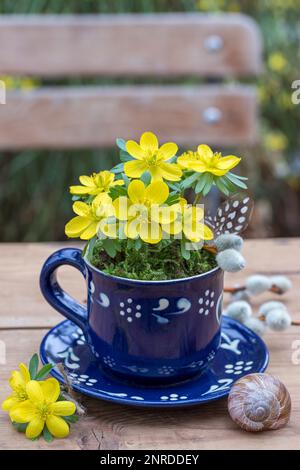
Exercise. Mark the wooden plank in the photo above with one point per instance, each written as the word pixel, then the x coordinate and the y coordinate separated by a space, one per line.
pixel 109 426
pixel 134 44
pixel 22 305
pixel 94 117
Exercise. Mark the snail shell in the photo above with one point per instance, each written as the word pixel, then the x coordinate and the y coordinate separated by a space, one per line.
pixel 259 402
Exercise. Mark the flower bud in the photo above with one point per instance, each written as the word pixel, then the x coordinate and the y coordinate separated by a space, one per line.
pixel 256 325
pixel 230 260
pixel 278 320
pixel 225 241
pixel 239 310
pixel 257 284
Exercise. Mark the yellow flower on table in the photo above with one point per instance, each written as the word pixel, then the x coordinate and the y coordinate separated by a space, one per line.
pixel 148 156
pixel 42 408
pixel 17 382
pixel 142 210
pixel 92 219
pixel 96 185
pixel 205 160
pixel 190 221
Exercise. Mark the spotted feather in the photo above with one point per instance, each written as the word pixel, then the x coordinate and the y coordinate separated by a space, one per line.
pixel 232 216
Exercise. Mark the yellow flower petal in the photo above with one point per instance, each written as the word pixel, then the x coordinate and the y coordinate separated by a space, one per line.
pixel 167 151
pixel 131 229
pixel 9 402
pixel 23 412
pixel 121 206
pixel 63 408
pixel 16 380
pixel 170 171
pixel 51 389
pixel 155 173
pixel 157 192
pixel 136 191
pixel 25 372
pixel 134 168
pixel 86 180
pixel 149 142
pixel 226 163
pixel 150 232
pixel 34 428
pixel 76 226
pixel 135 150
pixel 215 171
pixel 34 391
pixel 79 190
pixel 81 208
pixel 90 231
pixel 166 214
pixel 57 426
pixel 207 233
pixel 205 152
pixel 195 165
pixel 174 228
pixel 117 183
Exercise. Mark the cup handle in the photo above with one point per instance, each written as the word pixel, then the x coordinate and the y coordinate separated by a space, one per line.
pixel 54 294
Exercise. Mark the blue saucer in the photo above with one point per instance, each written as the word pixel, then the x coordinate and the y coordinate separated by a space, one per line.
pixel 241 352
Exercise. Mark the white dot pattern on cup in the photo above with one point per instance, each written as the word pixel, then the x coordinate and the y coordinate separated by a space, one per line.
pixel 129 310
pixel 206 303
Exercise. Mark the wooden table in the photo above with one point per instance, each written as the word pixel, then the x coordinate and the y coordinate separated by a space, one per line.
pixel 25 318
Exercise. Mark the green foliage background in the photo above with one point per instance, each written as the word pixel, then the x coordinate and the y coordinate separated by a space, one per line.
pixel 34 199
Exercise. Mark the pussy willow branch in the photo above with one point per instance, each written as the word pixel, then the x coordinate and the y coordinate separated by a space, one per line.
pixel 294 323
pixel 233 290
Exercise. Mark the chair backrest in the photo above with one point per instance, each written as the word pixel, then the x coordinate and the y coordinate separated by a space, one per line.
pixel 215 48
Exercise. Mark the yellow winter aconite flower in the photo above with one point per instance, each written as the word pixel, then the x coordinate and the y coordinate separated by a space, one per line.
pixel 142 210
pixel 190 221
pixel 91 219
pixel 275 141
pixel 17 382
pixel 42 408
pixel 148 156
pixel 277 62
pixel 96 184
pixel 205 160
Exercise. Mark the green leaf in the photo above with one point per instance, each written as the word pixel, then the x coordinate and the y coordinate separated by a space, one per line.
pixel 117 191
pixel 186 254
pixel 47 434
pixel 172 199
pixel 188 182
pixel 20 427
pixel 121 144
pixel 76 198
pixel 118 168
pixel 201 183
pixel 236 181
pixel 43 372
pixel 222 187
pixel 244 178
pixel 231 187
pixel 109 247
pixel 89 248
pixel 209 182
pixel 174 186
pixel 71 419
pixel 33 366
pixel 125 157
pixel 138 244
pixel 146 178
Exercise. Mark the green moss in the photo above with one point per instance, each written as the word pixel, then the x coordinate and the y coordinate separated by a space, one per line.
pixel 152 263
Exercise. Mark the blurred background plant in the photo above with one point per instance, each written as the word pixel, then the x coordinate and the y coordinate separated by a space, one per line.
pixel 34 198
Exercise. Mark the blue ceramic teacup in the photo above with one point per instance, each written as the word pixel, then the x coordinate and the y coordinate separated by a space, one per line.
pixel 146 331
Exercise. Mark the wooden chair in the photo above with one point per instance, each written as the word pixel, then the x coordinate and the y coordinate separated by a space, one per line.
pixel 213 47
